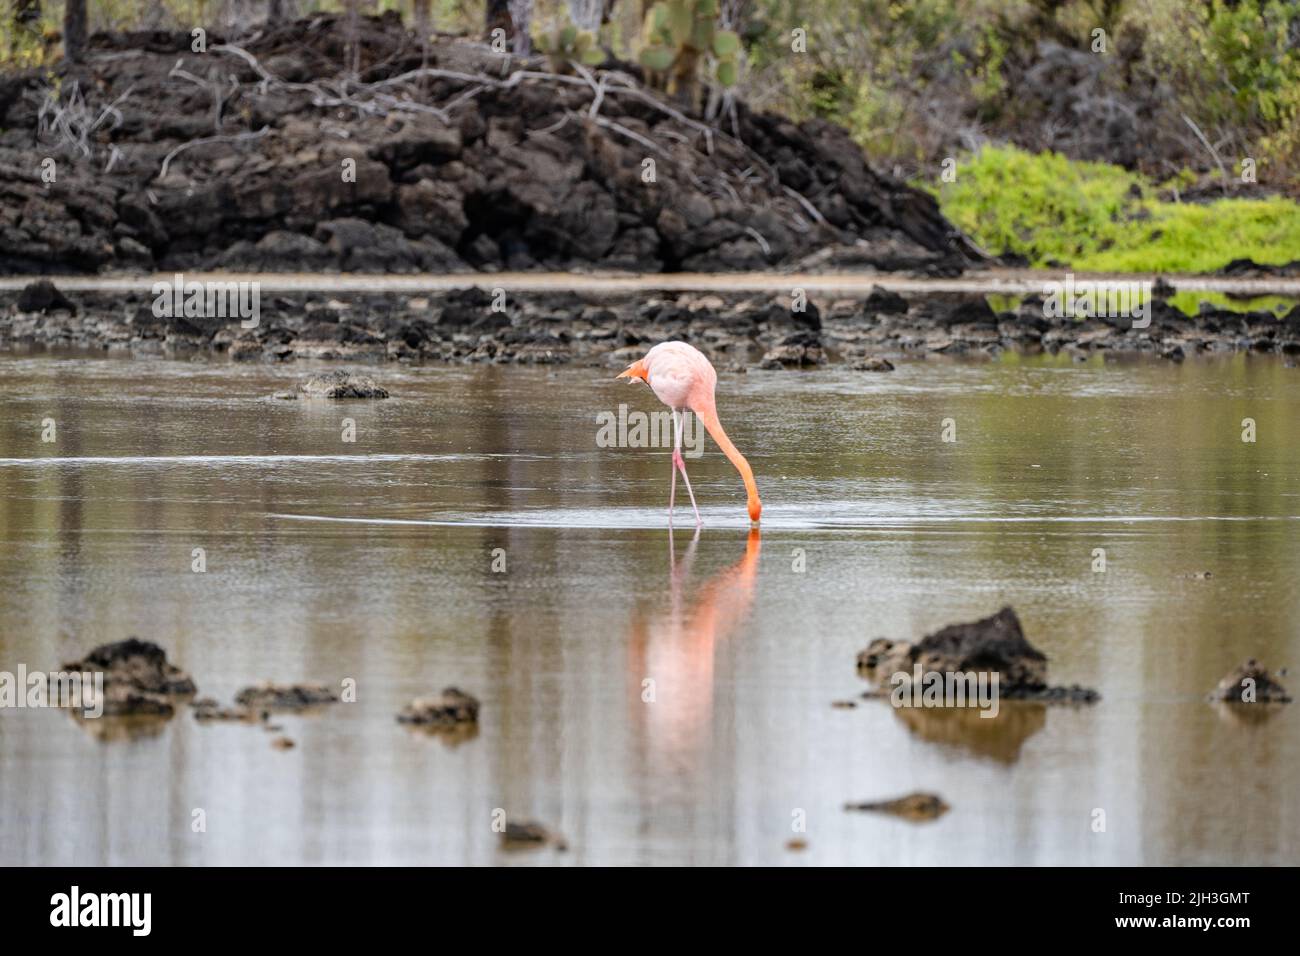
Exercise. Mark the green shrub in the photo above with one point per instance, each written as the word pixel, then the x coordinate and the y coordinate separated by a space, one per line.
pixel 1098 217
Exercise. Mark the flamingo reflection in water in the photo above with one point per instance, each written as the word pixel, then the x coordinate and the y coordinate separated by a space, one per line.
pixel 672 654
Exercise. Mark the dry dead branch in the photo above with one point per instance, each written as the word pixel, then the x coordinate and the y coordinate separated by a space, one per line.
pixel 232 138
pixel 399 94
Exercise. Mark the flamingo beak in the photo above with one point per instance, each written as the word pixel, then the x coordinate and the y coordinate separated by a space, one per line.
pixel 634 371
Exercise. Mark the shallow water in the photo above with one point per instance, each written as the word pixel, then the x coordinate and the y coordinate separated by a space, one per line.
pixel 373 560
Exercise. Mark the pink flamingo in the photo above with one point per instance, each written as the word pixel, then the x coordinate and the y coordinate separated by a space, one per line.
pixel 685 380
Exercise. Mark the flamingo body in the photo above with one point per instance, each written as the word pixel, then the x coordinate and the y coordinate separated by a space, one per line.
pixel 679 375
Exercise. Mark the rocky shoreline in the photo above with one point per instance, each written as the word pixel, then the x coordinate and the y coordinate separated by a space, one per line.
pixel 737 330
pixel 154 157
pixel 265 157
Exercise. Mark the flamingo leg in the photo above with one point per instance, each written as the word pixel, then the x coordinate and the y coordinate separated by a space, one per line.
pixel 680 463
pixel 672 494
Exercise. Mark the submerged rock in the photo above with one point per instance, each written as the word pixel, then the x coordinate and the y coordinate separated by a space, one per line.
pixel 1065 694
pixel 254 705
pixel 138 678
pixel 1248 683
pixel 209 709
pixel 917 807
pixel 339 384
pixel 268 696
pixel 873 363
pixel 530 835
pixel 994 644
pixel 451 708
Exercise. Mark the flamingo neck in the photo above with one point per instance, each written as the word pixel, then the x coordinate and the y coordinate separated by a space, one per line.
pixel 709 416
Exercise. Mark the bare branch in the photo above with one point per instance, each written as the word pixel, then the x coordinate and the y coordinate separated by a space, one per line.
pixel 376 99
pixel 233 138
pixel 1218 161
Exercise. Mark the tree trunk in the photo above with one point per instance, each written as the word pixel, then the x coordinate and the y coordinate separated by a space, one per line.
pixel 497 16
pixel 735 15
pixel 684 84
pixel 74 30
pixel 423 17
pixel 352 38
pixel 280 11
pixel 521 12
pixel 423 26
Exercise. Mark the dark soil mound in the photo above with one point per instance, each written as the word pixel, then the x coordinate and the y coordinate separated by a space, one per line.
pixel 264 158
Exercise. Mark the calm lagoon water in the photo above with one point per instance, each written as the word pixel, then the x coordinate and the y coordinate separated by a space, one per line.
pixel 373 560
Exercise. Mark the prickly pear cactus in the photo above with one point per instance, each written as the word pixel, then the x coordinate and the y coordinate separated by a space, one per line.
pixel 568 45
pixel 681 35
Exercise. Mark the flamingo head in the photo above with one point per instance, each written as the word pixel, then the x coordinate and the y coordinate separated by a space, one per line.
pixel 636 370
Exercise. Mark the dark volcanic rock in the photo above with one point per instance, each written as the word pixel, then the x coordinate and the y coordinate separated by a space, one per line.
pixel 886 302
pixel 735 330
pixel 1066 694
pixel 138 679
pixel 799 350
pixel 208 709
pixel 341 384
pixel 1250 682
pixel 279 251
pixel 142 664
pixel 1251 268
pixel 268 696
pixel 993 644
pixel 43 296
pixel 970 311
pixel 516 176
pixel 873 363
pixel 781 315
pixel 529 835
pixel 451 708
